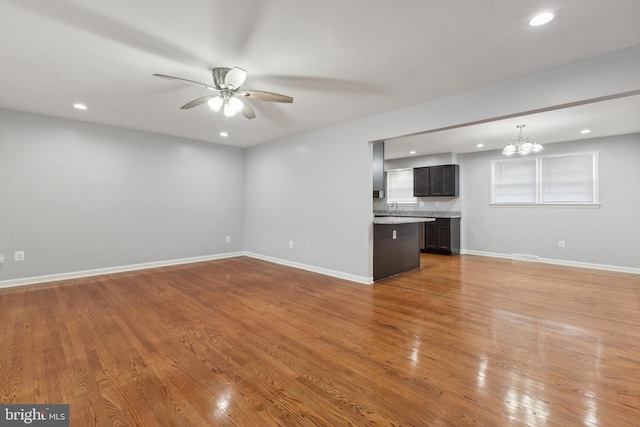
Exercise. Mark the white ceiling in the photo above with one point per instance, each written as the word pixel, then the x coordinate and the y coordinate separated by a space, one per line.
pixel 604 118
pixel 339 60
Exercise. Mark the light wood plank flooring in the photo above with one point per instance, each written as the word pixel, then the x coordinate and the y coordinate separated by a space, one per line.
pixel 463 341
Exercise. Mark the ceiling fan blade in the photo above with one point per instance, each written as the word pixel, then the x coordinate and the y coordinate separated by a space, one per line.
pixel 197 102
pixel 265 96
pixel 247 111
pixel 186 80
pixel 235 78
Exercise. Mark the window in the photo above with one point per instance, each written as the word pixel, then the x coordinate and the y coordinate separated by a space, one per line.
pixel 565 179
pixel 400 186
pixel 568 179
pixel 514 181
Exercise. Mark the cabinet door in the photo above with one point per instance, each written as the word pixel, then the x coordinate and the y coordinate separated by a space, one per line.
pixel 431 236
pixel 450 180
pixel 442 236
pixel 438 237
pixel 421 182
pixel 435 180
pixel 443 180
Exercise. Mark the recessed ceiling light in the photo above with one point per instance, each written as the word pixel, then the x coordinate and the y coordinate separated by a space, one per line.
pixel 223 133
pixel 79 106
pixel 412 152
pixel 479 145
pixel 585 131
pixel 541 19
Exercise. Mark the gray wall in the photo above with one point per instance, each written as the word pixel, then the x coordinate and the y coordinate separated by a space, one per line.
pixel 609 235
pixel 316 178
pixel 316 192
pixel 76 196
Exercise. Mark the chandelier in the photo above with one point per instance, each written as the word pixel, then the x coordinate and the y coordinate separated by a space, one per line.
pixel 522 144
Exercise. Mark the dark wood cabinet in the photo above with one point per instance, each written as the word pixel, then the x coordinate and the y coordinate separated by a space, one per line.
pixel 421 182
pixel 442 236
pixel 396 249
pixel 436 181
pixel 443 180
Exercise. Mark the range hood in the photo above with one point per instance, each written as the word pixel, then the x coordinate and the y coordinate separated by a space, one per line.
pixel 378 170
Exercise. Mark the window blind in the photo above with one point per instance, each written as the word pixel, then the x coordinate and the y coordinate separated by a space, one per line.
pixel 556 179
pixel 400 186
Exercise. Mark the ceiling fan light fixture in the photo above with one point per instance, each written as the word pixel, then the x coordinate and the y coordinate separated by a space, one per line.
pixel 227 82
pixel 235 104
pixel 216 103
pixel 228 110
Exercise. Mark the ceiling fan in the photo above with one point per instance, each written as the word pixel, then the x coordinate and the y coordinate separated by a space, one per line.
pixel 228 96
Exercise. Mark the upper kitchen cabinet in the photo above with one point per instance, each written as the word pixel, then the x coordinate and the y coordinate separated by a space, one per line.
pixel 421 182
pixel 444 180
pixel 436 181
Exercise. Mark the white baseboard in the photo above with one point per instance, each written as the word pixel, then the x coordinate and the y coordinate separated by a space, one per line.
pixel 325 271
pixel 110 270
pixel 605 267
pixel 133 267
pixel 487 254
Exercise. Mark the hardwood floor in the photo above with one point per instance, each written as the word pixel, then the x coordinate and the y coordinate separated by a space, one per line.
pixel 462 341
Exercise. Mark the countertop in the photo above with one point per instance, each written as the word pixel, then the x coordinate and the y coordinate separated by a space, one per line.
pixel 391 220
pixel 419 214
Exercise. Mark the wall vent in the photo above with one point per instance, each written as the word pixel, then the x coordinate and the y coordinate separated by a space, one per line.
pixel 524 257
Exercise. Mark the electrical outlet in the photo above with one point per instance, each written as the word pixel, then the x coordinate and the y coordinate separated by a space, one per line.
pixel 1 259
pixel 19 256
pixel 561 243
pixel 228 239
pixel 395 234
pixel 290 244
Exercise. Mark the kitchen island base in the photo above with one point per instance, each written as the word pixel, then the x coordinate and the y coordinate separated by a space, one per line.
pixel 396 249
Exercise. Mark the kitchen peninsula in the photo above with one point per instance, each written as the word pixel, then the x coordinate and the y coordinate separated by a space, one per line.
pixel 396 244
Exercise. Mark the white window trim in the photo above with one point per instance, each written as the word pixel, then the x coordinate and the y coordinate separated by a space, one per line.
pixel 545 205
pixel 539 203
